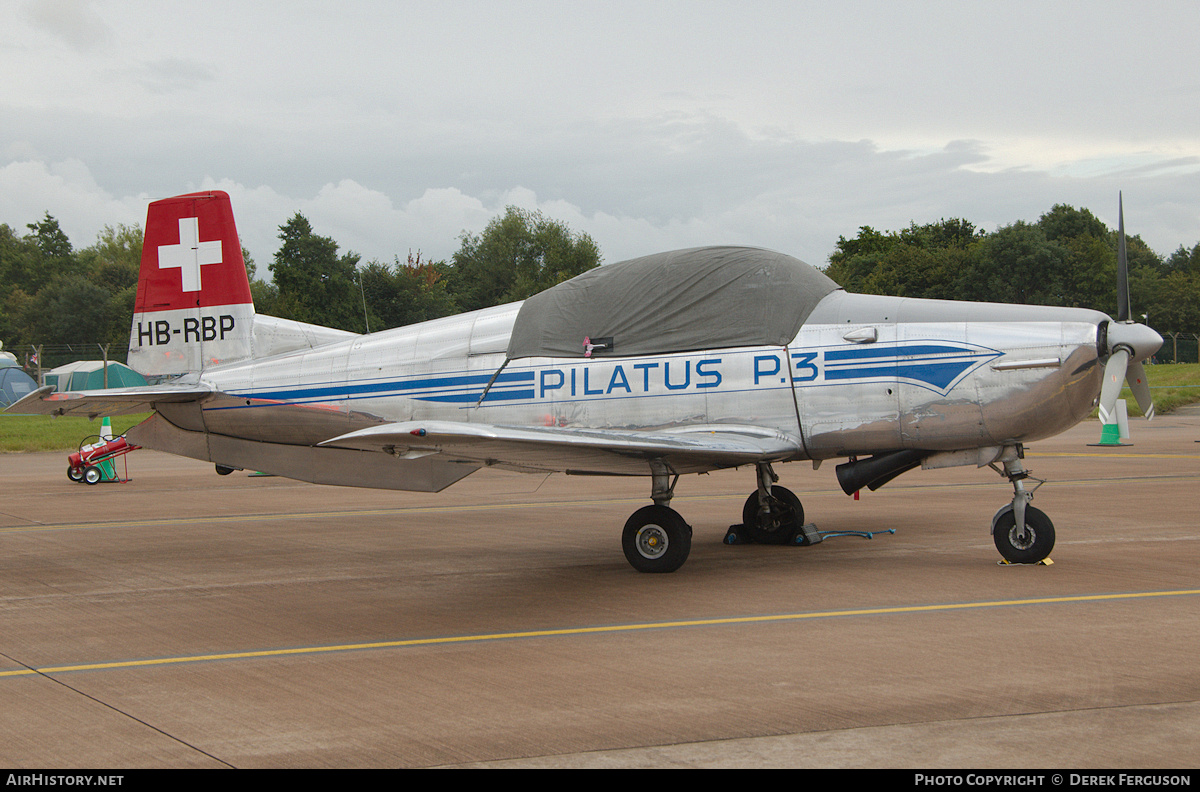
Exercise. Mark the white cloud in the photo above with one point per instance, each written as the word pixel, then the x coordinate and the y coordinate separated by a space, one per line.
pixel 775 124
pixel 798 199
pixel 29 189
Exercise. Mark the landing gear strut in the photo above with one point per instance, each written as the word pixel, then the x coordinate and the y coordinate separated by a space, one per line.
pixel 1023 534
pixel 656 538
pixel 772 514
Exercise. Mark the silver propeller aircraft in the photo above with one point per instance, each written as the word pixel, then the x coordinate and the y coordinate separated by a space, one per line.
pixel 675 363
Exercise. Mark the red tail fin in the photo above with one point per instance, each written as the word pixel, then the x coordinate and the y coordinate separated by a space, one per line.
pixel 193 306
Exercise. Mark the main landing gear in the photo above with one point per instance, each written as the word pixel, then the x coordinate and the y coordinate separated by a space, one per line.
pixel 657 538
pixel 1023 534
pixel 771 514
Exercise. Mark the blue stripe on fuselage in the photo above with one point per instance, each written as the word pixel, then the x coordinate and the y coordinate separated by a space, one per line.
pixel 938 365
pixel 357 390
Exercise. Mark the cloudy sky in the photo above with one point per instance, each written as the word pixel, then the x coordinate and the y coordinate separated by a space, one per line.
pixel 651 125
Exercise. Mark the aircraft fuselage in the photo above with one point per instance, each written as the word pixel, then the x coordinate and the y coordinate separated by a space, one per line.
pixel 864 375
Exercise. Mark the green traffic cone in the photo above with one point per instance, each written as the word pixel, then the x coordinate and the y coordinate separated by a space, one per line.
pixel 106 467
pixel 1117 432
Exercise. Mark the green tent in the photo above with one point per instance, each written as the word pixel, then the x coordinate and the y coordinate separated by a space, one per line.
pixel 89 375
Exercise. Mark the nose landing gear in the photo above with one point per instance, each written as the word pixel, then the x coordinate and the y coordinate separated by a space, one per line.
pixel 1022 533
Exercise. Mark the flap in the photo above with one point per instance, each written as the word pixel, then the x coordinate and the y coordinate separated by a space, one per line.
pixel 608 451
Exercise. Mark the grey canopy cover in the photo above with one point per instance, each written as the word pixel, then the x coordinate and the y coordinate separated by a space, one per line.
pixel 685 300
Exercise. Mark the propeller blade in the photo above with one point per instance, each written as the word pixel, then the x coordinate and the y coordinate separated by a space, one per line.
pixel 1127 345
pixel 1136 376
pixel 1114 376
pixel 1122 265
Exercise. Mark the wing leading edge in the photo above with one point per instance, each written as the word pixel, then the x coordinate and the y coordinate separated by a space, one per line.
pixel 580 451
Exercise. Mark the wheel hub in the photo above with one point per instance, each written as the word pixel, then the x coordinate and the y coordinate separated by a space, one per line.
pixel 651 541
pixel 1021 540
pixel 775 515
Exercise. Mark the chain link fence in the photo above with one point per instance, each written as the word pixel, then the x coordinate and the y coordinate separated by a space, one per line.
pixel 37 359
pixel 1179 348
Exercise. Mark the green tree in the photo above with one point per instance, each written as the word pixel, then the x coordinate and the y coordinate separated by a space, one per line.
pixel 919 261
pixel 73 310
pixel 1066 222
pixel 37 258
pixel 50 239
pixel 1016 264
pixel 114 259
pixel 1067 258
pixel 42 273
pixel 1184 260
pixel 16 260
pixel 405 292
pixel 112 262
pixel 16 310
pixel 517 255
pixel 264 293
pixel 1171 300
pixel 1089 274
pixel 314 284
pixel 17 256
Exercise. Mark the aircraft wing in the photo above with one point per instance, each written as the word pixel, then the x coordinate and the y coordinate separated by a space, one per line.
pixel 579 451
pixel 113 401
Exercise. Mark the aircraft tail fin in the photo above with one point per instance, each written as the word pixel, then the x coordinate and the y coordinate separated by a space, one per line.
pixel 193 307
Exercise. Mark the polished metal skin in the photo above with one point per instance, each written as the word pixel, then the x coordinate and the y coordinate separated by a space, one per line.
pixel 977 375
pixel 905 382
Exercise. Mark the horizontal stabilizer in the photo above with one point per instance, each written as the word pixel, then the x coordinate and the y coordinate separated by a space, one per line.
pixel 113 401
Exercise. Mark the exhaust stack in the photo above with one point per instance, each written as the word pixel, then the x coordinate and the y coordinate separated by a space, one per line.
pixel 876 471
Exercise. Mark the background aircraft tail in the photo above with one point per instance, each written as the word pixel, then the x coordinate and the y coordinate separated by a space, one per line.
pixel 193 308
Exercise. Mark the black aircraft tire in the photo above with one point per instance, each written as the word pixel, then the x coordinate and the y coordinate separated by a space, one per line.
pixel 223 471
pixel 656 539
pixel 785 518
pixel 1024 547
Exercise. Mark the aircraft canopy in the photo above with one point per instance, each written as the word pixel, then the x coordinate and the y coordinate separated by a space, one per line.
pixel 682 301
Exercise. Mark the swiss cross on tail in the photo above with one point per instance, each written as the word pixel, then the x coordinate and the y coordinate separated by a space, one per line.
pixel 190 254
pixel 193 308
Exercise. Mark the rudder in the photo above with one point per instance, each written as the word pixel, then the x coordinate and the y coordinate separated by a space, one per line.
pixel 193 307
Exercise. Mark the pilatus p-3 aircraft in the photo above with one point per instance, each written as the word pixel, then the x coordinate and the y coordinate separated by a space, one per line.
pixel 674 363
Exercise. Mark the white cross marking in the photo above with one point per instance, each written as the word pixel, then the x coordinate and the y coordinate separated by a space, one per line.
pixel 190 254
